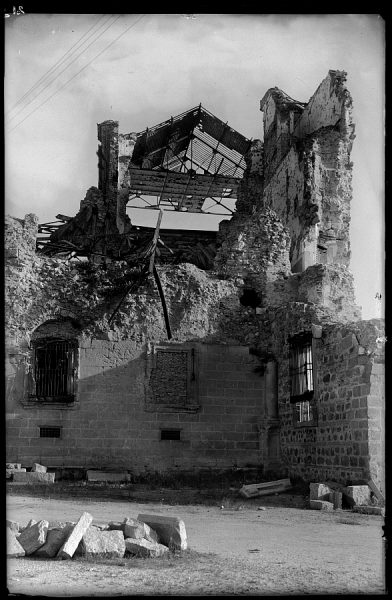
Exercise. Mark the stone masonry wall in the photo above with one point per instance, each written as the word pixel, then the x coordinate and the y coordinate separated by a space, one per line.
pixel 107 425
pixel 110 428
pixel 310 188
pixel 346 444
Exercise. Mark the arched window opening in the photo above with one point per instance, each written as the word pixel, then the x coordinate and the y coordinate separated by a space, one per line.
pixel 55 353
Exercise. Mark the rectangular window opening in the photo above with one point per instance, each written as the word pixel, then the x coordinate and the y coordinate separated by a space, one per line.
pixel 170 434
pixel 50 432
pixel 302 378
pixel 55 369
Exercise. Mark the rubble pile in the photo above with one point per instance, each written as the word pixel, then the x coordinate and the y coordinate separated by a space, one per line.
pixel 37 474
pixel 147 536
pixel 329 496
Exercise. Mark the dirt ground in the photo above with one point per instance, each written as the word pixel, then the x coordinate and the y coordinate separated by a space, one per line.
pixel 235 550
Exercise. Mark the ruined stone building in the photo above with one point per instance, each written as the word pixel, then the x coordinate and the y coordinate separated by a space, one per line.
pixel 151 349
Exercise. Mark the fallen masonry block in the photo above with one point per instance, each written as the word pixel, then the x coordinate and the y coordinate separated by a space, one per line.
pixel 33 477
pixel 137 530
pixel 107 476
pixel 29 524
pixel 13 465
pixel 319 491
pixel 14 548
pixel 34 536
pixel 67 550
pixel 13 525
pixel 54 540
pixel 144 548
pixel 107 544
pixel 336 498
pixel 37 468
pixel 359 494
pixel 171 530
pixel 320 505
pixel 265 489
pixel 370 510
pixel 376 491
pixel 9 473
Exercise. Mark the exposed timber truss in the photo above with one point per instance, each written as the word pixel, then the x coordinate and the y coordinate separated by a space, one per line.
pixel 192 162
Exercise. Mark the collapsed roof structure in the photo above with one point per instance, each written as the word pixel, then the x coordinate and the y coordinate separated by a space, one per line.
pixel 190 163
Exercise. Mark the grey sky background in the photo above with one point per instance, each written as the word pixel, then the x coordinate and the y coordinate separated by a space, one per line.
pixel 165 64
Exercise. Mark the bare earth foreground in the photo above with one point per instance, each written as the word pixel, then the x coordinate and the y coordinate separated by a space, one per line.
pixel 278 550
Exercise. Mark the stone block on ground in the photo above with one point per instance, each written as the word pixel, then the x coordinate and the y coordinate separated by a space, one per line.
pixel 377 492
pixel 21 477
pixel 107 476
pixel 34 536
pixel 37 468
pixel 369 510
pixel 319 491
pixel 320 505
pixel 107 544
pixel 29 524
pixel 54 540
pixel 267 488
pixel 171 530
pixel 14 548
pixel 67 550
pixel 13 465
pixel 359 494
pixel 137 530
pixel 9 473
pixel 144 548
pixel 13 525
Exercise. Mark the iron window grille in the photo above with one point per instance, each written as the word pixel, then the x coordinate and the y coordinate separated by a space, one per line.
pixel 302 378
pixel 55 369
pixel 50 432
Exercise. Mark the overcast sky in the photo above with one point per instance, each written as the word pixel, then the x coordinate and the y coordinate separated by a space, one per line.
pixel 162 65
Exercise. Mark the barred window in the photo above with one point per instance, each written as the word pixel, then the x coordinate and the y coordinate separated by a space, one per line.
pixel 301 378
pixel 55 368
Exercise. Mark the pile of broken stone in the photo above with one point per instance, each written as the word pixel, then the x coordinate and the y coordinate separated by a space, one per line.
pixel 37 474
pixel 360 498
pixel 148 536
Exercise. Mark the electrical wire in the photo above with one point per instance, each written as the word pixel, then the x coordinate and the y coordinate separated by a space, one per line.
pixel 53 67
pixel 76 74
pixel 65 68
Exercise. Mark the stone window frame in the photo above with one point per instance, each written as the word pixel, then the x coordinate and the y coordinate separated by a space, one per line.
pixel 305 402
pixel 192 404
pixel 65 329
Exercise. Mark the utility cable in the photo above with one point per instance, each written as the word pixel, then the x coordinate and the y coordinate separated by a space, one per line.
pixel 53 67
pixel 76 74
pixel 66 67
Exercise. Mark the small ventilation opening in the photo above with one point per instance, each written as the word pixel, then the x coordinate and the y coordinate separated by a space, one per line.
pixel 50 432
pixel 250 298
pixel 170 434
